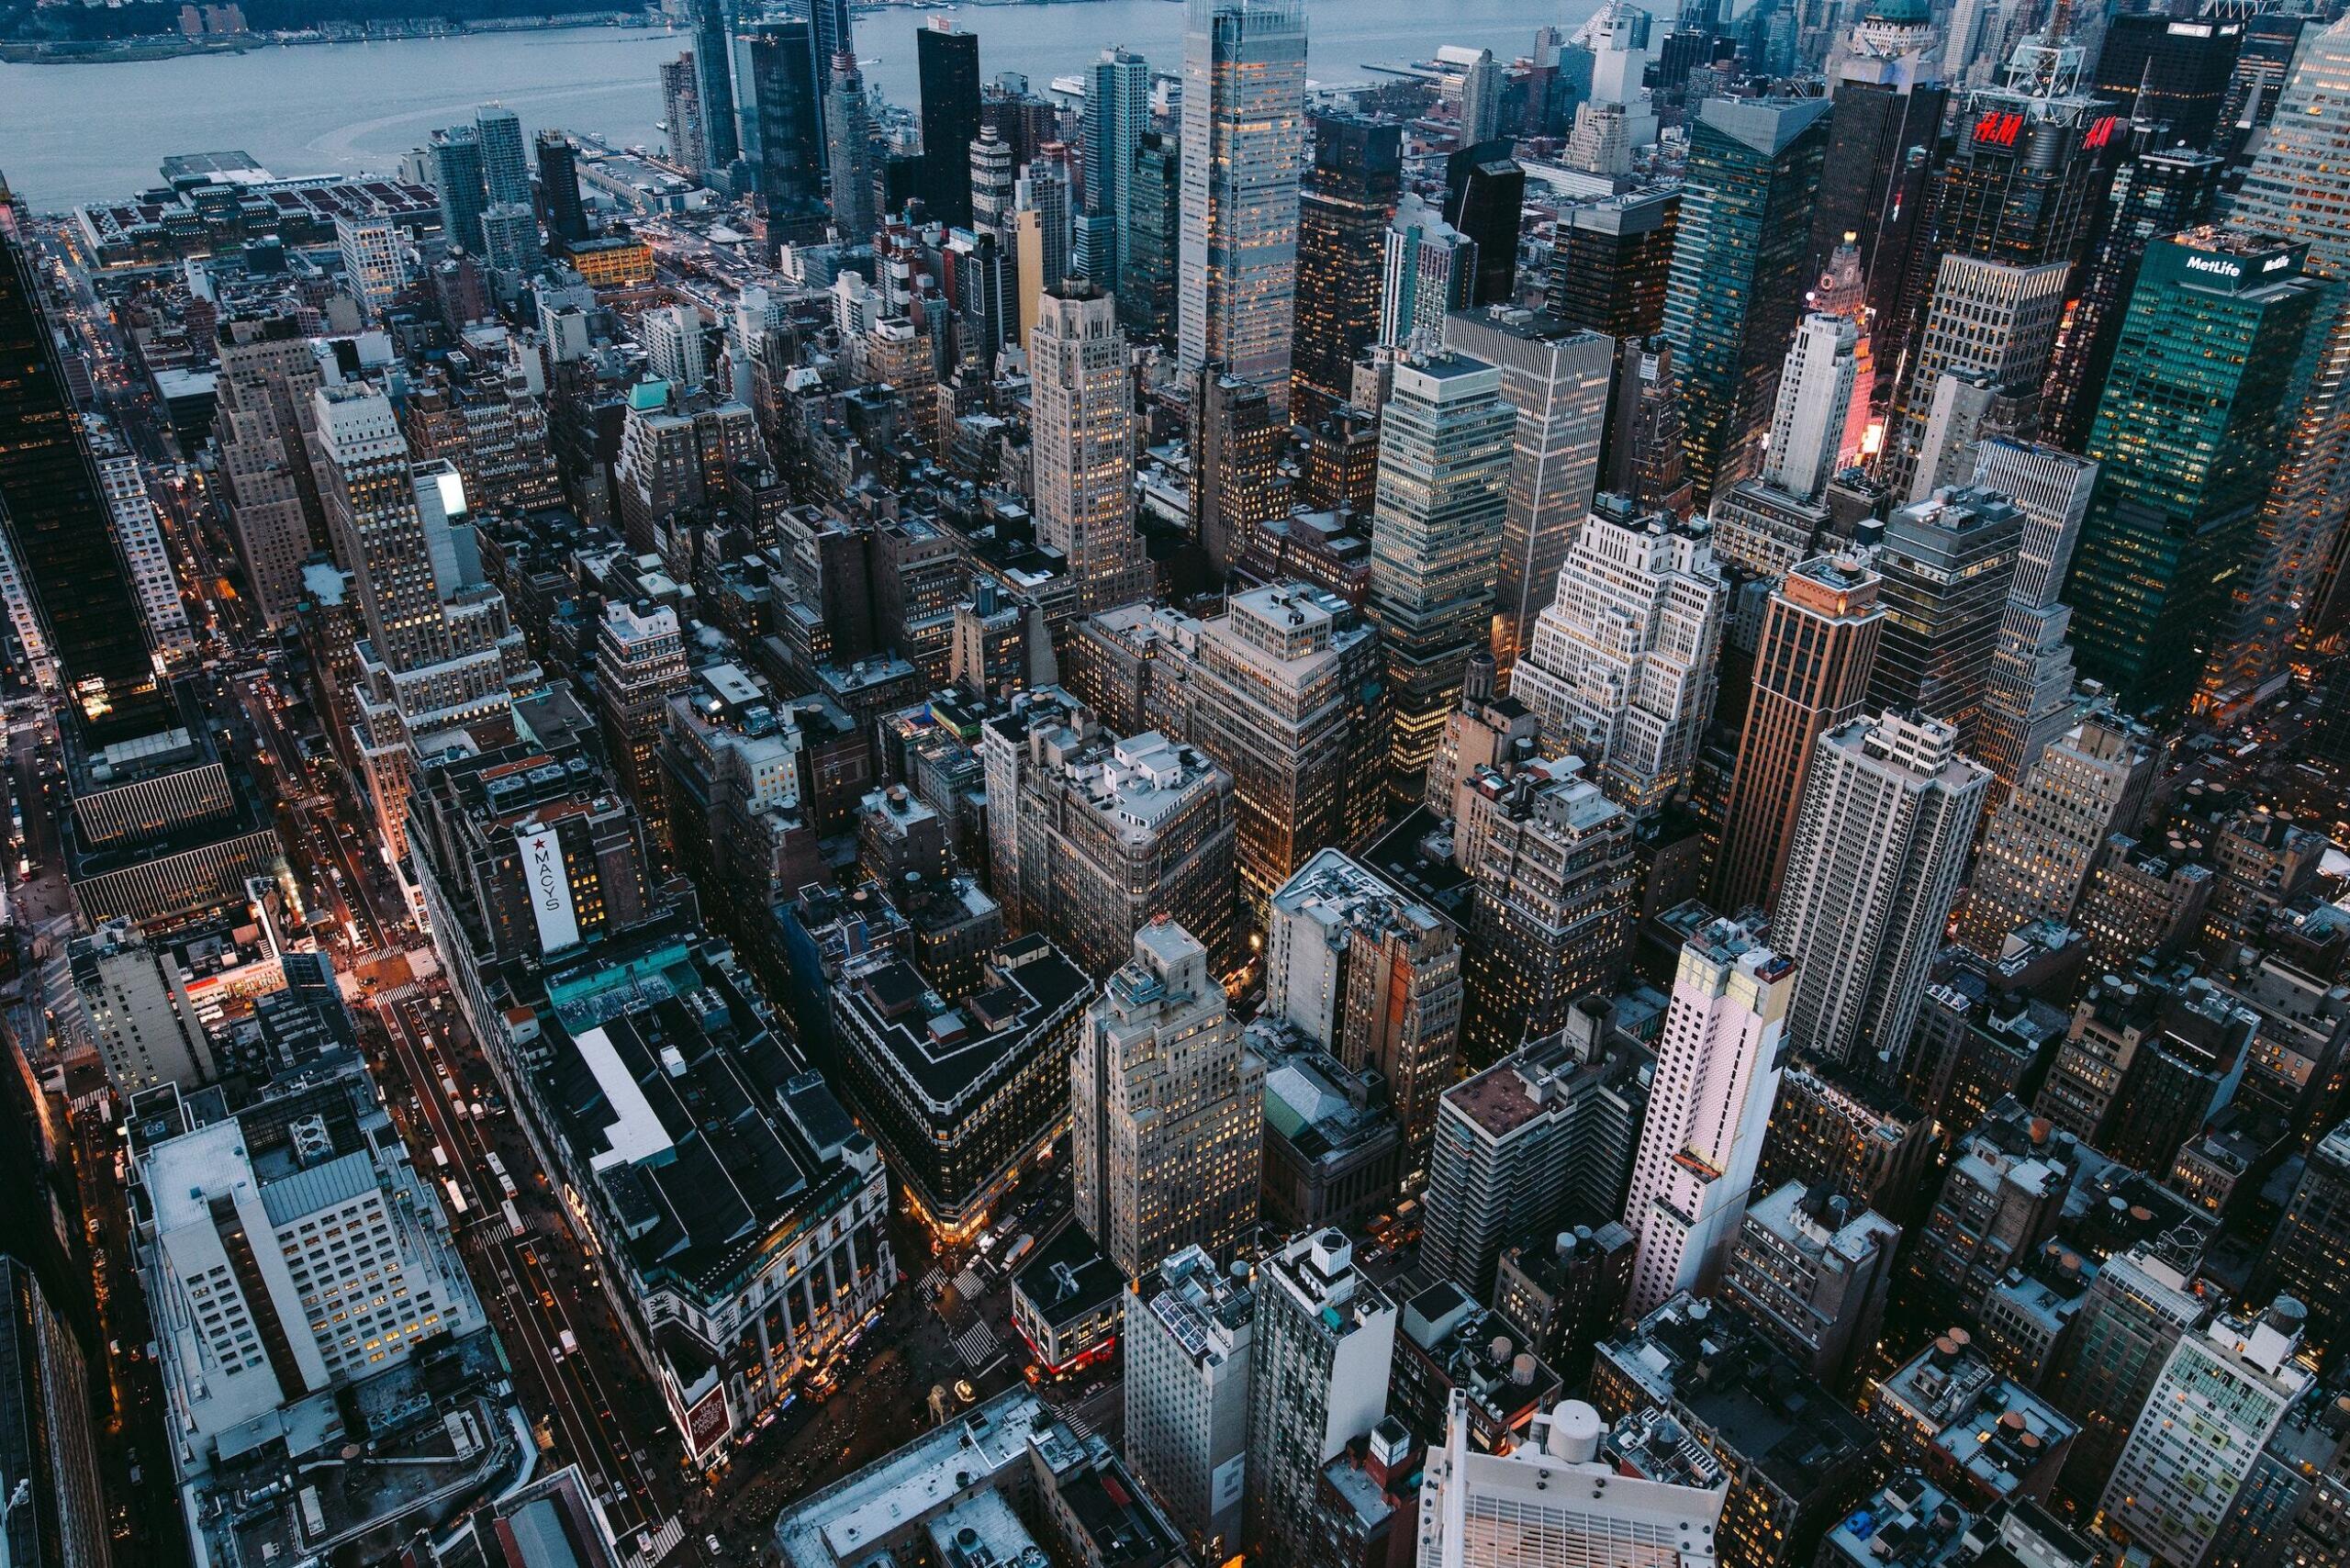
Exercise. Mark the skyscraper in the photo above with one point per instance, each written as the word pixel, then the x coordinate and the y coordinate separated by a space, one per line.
pixel 1946 563
pixel 1428 269
pixel 1444 463
pixel 681 114
pixel 267 372
pixel 1644 455
pixel 1807 443
pixel 457 178
pixel 1485 192
pixel 1323 1344
pixel 1147 250
pixel 848 151
pixel 1888 109
pixel 2223 334
pixel 994 184
pixel 1557 378
pixel 2172 70
pixel 1623 663
pixel 2027 699
pixel 1165 1104
pixel 779 89
pixel 1739 270
pixel 1993 325
pixel 1084 444
pixel 1611 259
pixel 2156 192
pixel 559 186
pixel 1811 671
pixel 504 173
pixel 1889 812
pixel 1244 149
pixel 56 519
pixel 714 88
pixel 948 62
pixel 2299 189
pixel 2037 853
pixel 1342 216
pixel 1717 1072
pixel 1187 1394
pixel 1117 112
pixel 1235 453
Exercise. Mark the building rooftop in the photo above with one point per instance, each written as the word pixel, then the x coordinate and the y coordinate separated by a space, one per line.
pixel 1995 1431
pixel 943 1048
pixel 1068 1280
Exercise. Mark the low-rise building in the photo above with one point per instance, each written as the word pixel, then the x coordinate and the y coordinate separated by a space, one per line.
pixel 1067 1301
pixel 1976 1434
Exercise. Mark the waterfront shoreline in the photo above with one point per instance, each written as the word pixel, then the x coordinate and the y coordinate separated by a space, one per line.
pixel 139 51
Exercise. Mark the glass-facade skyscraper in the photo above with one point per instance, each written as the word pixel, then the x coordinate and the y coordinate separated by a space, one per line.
pixel 2214 356
pixel 1244 150
pixel 948 65
pixel 1342 220
pixel 1738 270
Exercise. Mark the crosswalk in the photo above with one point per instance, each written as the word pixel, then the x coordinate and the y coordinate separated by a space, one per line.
pixel 1075 1422
pixel 930 1284
pixel 969 1285
pixel 975 1345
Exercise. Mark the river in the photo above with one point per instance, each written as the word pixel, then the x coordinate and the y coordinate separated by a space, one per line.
pixel 75 133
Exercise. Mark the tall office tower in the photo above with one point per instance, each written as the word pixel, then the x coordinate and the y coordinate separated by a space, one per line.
pixel 1324 1342
pixel 1739 270
pixel 457 178
pixel 2037 854
pixel 1480 94
pixel 986 301
pixel 1165 1105
pixel 2138 1308
pixel 1617 36
pixel 640 665
pixel 439 651
pixel 2218 1399
pixel 132 511
pixel 267 372
pixel 559 186
pixel 1083 444
pixel 1342 216
pixel 247 1256
pixel 1427 270
pixel 509 236
pixel 136 1011
pixel 1289 690
pixel 674 349
pixel 505 169
pixel 1189 1332
pixel 1044 187
pixel 55 517
pixel 1624 661
pixel 1947 563
pixel 1811 1268
pixel 1444 463
pixel 948 62
pixel 48 1440
pixel 1644 455
pixel 779 102
pixel 1806 445
pixel 1244 148
pixel 1716 1073
pixel 1484 193
pixel 1371 976
pixel 1541 1140
pixel 1117 112
pixel 2159 191
pixel 2223 333
pixel 1551 860
pixel 681 114
pixel 713 56
pixel 2027 699
pixel 1811 672
pixel 2298 189
pixel 2172 70
pixel 1091 836
pixel 370 251
pixel 1890 104
pixel 1992 325
pixel 848 152
pixel 1147 250
pixel 1889 812
pixel 1235 454
pixel 1611 259
pixel 1530 1508
pixel 2309 1252
pixel 993 182
pixel 1558 378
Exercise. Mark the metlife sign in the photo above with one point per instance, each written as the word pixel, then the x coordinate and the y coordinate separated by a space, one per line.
pixel 550 889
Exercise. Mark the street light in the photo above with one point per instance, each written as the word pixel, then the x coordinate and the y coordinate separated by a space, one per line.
pixel 15 1499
